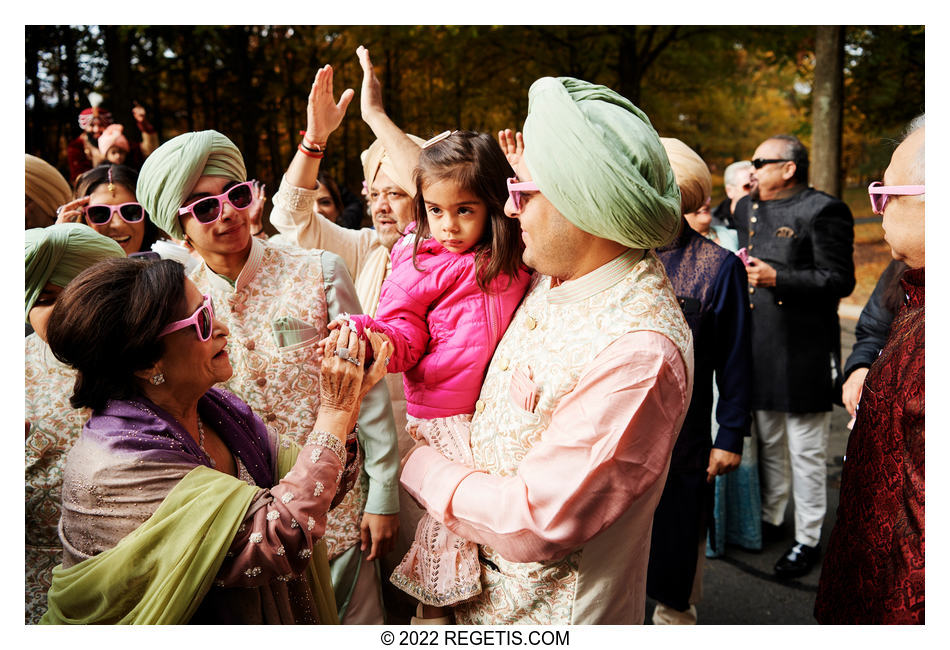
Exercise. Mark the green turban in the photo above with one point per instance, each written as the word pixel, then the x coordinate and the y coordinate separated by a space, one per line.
pixel 58 253
pixel 596 157
pixel 172 171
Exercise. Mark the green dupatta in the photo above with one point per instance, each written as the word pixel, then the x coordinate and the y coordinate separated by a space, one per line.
pixel 159 573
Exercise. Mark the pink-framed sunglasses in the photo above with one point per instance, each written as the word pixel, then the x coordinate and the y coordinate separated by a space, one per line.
pixel 208 209
pixel 202 319
pixel 880 193
pixel 101 214
pixel 515 190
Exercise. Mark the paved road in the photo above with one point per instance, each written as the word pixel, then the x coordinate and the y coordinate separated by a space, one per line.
pixel 739 588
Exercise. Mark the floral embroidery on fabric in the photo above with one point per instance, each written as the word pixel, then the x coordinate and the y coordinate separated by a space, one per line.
pixel 273 515
pixel 540 341
pixel 282 385
pixel 440 567
pixel 54 427
pixel 256 538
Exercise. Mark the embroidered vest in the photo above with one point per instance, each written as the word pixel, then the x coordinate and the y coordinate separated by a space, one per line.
pixel 552 342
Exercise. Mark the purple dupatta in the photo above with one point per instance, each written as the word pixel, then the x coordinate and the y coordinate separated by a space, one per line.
pixel 139 426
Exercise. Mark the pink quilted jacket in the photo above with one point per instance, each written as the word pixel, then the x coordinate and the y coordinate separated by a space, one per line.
pixel 444 328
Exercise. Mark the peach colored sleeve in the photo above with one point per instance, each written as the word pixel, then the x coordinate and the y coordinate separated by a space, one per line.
pixel 282 524
pixel 608 442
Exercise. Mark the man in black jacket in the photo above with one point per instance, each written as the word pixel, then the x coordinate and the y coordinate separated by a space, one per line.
pixel 799 242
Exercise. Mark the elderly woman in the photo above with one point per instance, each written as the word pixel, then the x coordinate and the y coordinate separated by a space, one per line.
pixel 105 201
pixel 46 190
pixel 54 256
pixel 277 302
pixel 710 285
pixel 174 509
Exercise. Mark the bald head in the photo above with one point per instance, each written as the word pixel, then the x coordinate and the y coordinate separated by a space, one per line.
pixel 904 215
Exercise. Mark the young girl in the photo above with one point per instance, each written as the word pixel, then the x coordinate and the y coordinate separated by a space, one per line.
pixel 455 284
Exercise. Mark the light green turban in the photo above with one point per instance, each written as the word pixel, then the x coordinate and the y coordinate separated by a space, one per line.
pixel 172 171
pixel 58 254
pixel 596 157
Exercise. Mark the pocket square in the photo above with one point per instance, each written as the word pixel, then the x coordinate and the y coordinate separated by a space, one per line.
pixel 290 331
pixel 523 391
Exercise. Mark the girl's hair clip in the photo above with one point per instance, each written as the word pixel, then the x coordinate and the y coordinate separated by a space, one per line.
pixel 439 138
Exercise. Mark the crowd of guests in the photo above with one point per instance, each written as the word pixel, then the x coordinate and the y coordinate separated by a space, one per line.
pixel 593 379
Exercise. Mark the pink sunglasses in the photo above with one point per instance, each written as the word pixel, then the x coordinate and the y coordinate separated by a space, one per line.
pixel 202 319
pixel 209 209
pixel 880 193
pixel 516 189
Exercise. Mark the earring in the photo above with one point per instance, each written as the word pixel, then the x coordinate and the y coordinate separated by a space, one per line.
pixel 157 379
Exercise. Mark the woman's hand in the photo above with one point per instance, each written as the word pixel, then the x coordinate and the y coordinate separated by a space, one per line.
pixel 371 95
pixel 512 144
pixel 852 389
pixel 72 212
pixel 323 114
pixel 341 379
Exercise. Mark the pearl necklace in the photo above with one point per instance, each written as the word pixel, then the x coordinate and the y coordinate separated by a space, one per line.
pixel 201 443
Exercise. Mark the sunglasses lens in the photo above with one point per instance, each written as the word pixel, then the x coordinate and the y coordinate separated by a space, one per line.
pixel 240 196
pixel 99 214
pixel 205 322
pixel 757 163
pixel 132 212
pixel 206 210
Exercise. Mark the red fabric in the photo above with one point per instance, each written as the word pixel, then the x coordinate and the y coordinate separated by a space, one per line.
pixel 874 568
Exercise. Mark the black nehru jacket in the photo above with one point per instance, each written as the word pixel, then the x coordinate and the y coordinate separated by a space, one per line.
pixel 796 338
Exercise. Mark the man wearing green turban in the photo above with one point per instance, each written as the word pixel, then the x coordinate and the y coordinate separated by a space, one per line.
pixel 277 302
pixel 588 388
pixel 54 256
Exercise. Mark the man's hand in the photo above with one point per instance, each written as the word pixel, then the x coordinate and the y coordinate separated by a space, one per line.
pixel 851 391
pixel 721 462
pixel 378 532
pixel 323 114
pixel 760 274
pixel 371 94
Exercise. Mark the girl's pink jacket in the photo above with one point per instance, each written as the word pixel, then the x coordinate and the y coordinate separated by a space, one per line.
pixel 444 328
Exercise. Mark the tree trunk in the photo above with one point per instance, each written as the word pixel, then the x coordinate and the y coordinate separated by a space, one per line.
pixel 119 78
pixel 827 109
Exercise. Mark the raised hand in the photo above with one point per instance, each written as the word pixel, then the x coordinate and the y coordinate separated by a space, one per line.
pixel 371 95
pixel 512 144
pixel 323 113
pixel 255 214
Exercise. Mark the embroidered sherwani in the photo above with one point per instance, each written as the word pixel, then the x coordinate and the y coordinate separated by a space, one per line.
pixel 282 384
pixel 54 426
pixel 571 438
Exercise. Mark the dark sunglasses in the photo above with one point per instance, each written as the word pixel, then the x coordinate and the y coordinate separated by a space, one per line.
pixel 101 214
pixel 759 163
pixel 209 209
